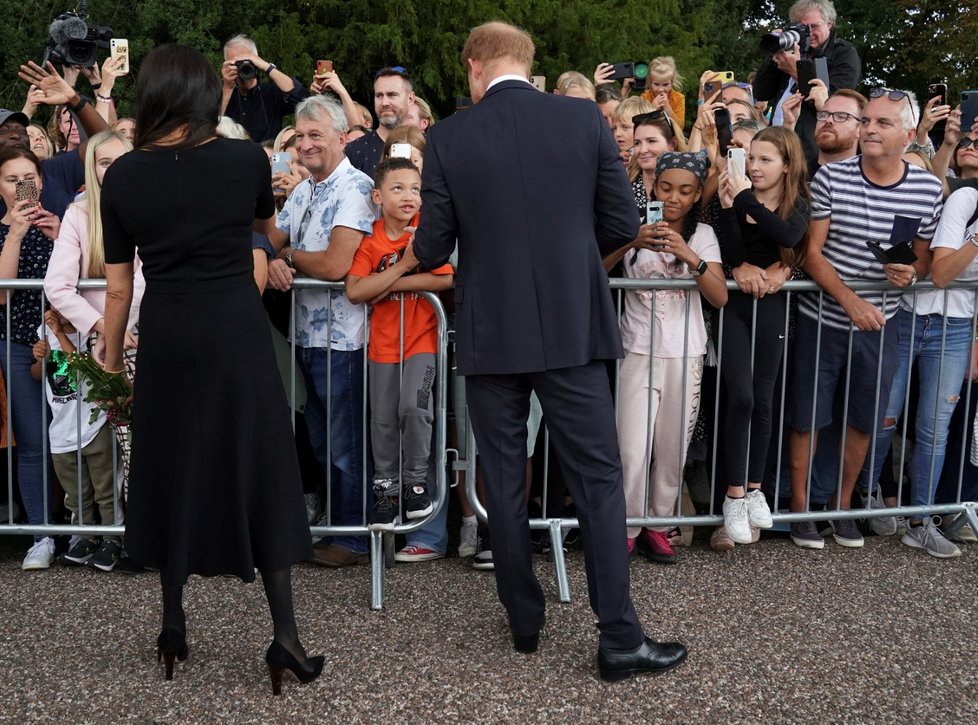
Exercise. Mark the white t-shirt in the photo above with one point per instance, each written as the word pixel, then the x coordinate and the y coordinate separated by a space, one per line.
pixel 59 387
pixel 951 233
pixel 669 331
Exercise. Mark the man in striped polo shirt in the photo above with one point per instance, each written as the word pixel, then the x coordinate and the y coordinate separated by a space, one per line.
pixel 874 197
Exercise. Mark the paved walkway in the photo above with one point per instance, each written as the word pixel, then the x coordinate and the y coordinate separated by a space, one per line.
pixel 775 633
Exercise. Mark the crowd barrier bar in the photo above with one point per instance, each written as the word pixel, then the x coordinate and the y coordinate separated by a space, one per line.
pixel 558 526
pixel 379 540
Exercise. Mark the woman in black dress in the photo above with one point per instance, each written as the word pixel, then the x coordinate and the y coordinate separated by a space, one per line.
pixel 214 482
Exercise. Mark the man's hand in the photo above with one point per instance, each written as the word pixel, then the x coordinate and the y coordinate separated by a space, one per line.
pixel 818 94
pixel 92 74
pixel 864 316
pixel 328 82
pixel 899 275
pixel 55 91
pixel 284 184
pixel 280 275
pixel 787 61
pixel 229 74
pixel 751 280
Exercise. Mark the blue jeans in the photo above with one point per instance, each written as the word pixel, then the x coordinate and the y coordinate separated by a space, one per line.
pixel 940 385
pixel 434 535
pixel 334 416
pixel 27 402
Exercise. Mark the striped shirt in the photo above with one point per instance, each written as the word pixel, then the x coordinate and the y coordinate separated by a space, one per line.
pixel 861 212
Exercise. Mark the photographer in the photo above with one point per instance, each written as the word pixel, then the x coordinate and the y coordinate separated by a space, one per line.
pixel 777 78
pixel 259 107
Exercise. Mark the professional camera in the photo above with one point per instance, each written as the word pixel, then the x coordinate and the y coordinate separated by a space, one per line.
pixel 247 71
pixel 631 69
pixel 73 41
pixel 771 43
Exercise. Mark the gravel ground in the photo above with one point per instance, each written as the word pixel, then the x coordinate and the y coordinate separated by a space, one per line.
pixel 775 633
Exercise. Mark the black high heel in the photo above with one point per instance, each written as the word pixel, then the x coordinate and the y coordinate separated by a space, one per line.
pixel 169 645
pixel 280 659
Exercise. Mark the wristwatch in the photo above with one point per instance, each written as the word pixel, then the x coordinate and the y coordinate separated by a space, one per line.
pixel 288 258
pixel 269 69
pixel 700 269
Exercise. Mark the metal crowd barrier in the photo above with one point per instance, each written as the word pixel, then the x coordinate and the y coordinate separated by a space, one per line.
pixel 558 526
pixel 381 542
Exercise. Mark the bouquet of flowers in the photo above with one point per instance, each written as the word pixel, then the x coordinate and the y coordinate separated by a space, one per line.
pixel 108 392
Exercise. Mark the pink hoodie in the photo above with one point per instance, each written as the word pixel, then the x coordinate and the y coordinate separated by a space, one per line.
pixel 69 263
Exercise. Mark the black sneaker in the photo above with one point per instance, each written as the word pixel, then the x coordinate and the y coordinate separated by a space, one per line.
pixel 417 503
pixel 107 556
pixel 80 553
pixel 384 515
pixel 483 550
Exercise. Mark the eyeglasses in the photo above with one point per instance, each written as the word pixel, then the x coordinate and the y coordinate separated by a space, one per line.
pixel 643 118
pixel 966 142
pixel 837 116
pixel 394 70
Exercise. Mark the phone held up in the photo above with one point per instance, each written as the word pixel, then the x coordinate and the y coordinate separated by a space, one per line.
pixel 401 151
pixel 736 159
pixel 539 82
pixel 323 67
pixel 27 189
pixel 119 48
pixel 281 164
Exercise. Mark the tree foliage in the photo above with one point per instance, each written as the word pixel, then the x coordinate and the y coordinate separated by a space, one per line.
pixel 903 43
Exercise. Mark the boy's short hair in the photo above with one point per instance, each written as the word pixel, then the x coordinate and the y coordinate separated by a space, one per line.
pixel 389 165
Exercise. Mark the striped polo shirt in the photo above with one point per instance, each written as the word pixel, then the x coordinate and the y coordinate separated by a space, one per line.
pixel 861 212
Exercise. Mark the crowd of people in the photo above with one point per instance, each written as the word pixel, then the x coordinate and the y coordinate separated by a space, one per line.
pixel 767 181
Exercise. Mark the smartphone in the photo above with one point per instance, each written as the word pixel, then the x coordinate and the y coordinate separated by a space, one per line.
pixel 119 48
pixel 281 161
pixel 737 158
pixel 806 73
pixel 937 89
pixel 539 82
pixel 653 212
pixel 822 70
pixel 621 71
pixel 26 189
pixel 969 110
pixel 724 132
pixel 324 66
pixel 401 151
pixel 712 86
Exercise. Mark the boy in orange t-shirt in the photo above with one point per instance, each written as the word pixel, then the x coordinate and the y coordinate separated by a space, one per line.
pixel 401 386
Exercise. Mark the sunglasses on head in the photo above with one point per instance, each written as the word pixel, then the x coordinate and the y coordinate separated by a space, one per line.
pixel 394 70
pixel 648 117
pixel 895 96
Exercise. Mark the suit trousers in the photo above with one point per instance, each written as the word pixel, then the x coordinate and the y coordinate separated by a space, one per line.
pixel 580 414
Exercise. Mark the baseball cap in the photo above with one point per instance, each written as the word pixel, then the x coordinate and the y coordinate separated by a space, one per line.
pixel 6 115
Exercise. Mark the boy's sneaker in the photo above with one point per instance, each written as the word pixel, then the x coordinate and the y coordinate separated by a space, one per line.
pixel 417 553
pixel 107 556
pixel 417 503
pixel 483 555
pixel 881 525
pixel 468 539
pixel 805 534
pixel 79 552
pixel 929 538
pixel 956 531
pixel 654 546
pixel 384 514
pixel 846 533
pixel 758 511
pixel 40 555
pixel 736 519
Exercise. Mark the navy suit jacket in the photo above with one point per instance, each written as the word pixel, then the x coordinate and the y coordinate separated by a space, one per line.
pixel 532 188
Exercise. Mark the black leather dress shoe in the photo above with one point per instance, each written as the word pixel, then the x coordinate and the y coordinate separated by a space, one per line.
pixel 526 644
pixel 650 656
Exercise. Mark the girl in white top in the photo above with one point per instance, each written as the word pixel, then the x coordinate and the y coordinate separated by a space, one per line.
pixel 664 336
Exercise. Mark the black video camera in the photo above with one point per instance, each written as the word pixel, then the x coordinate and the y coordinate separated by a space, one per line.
pixel 798 33
pixel 247 71
pixel 632 69
pixel 73 41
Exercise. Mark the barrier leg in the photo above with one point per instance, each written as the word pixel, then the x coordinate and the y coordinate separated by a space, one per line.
pixel 560 564
pixel 377 570
pixel 972 515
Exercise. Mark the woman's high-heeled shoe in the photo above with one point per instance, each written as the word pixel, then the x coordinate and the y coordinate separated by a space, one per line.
pixel 169 645
pixel 280 659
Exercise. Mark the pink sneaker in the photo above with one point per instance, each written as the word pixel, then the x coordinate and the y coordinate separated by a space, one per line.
pixel 630 543
pixel 654 546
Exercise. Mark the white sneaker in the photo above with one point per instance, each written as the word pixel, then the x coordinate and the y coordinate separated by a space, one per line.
pixel 929 538
pixel 40 555
pixel 881 525
pixel 467 539
pixel 736 520
pixel 758 511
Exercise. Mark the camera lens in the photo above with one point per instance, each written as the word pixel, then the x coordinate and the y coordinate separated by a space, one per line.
pixel 246 70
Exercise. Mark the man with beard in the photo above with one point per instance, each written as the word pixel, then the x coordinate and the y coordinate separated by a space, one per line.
pixel 393 94
pixel 837 128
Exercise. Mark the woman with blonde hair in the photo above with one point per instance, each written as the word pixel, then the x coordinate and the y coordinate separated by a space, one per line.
pixel 575 85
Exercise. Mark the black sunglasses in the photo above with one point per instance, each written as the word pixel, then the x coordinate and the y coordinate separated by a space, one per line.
pixel 895 96
pixel 648 117
pixel 394 70
pixel 966 142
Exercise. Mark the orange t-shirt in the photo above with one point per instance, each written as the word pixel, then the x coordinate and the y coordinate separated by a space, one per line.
pixel 376 253
pixel 677 104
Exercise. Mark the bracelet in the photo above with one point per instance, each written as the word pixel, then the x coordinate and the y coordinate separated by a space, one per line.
pixel 82 101
pixel 973 239
pixel 114 372
pixel 269 69
pixel 104 99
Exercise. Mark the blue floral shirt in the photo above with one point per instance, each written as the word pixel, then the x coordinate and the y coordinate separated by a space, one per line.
pixel 309 216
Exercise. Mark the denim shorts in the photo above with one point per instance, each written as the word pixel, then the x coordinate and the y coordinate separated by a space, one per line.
pixel 866 404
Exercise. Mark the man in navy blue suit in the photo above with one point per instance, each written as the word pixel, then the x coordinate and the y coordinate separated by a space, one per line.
pixel 532 188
